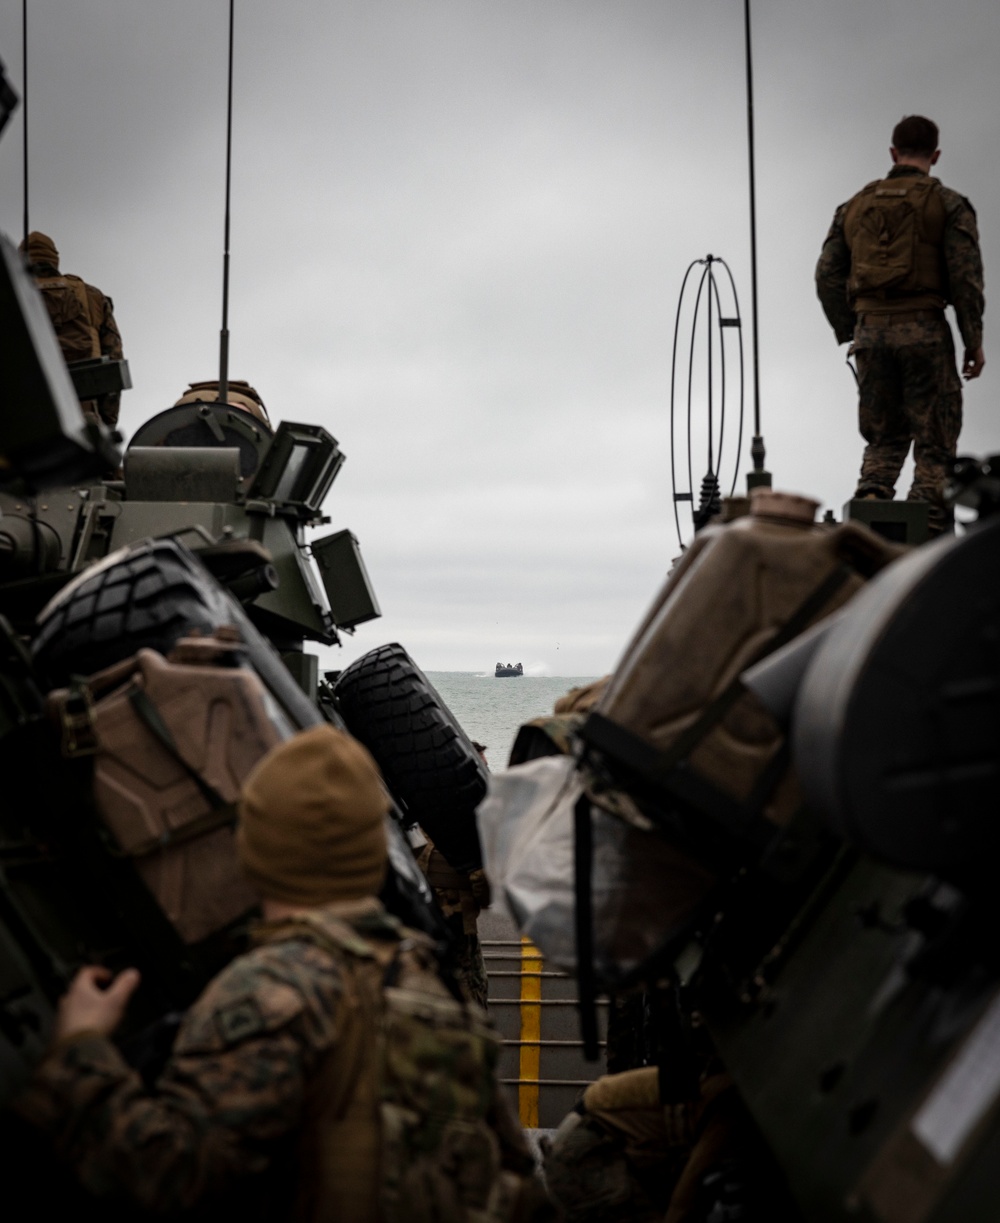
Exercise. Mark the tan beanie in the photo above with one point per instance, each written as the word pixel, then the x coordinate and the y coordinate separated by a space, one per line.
pixel 312 821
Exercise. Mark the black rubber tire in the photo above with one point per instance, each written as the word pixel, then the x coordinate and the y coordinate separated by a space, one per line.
pixel 426 758
pixel 150 598
pixel 155 594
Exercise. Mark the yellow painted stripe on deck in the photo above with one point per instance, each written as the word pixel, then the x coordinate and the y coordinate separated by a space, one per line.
pixel 531 1034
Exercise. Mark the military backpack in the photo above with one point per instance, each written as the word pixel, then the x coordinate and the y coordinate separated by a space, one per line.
pixel 895 230
pixel 404 1121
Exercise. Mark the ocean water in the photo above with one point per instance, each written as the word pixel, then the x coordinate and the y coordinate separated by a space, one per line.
pixel 491 710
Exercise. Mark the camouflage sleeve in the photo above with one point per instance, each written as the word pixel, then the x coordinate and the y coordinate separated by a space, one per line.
pixel 965 267
pixel 234 1087
pixel 832 273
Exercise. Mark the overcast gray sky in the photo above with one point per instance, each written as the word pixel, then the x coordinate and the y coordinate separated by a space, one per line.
pixel 459 233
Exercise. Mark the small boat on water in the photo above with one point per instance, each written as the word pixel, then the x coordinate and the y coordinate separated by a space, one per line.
pixel 510 669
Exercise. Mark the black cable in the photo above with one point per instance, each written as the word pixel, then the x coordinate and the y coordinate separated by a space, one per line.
pixel 716 442
pixel 739 321
pixel 673 380
pixel 722 377
pixel 694 337
pixel 711 285
pixel 224 335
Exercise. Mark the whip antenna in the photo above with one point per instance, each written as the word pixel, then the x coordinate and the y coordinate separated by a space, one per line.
pixel 758 476
pixel 224 334
pixel 24 103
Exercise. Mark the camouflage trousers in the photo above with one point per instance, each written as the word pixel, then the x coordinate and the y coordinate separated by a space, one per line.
pixel 468 964
pixel 910 393
pixel 589 1175
pixel 460 897
pixel 623 1156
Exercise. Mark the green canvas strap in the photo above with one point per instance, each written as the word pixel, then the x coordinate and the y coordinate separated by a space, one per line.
pixel 716 710
pixel 740 823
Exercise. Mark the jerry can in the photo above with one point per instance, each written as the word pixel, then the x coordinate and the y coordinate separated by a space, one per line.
pixel 173 740
pixel 742 589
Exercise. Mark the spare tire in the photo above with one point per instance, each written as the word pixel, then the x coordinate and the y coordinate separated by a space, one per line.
pixel 427 760
pixel 148 596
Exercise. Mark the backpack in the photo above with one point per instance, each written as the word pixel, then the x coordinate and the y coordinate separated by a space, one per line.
pixel 895 230
pixel 72 318
pixel 172 740
pixel 401 1125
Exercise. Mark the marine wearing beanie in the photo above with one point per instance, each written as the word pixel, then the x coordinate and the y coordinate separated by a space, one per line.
pixel 312 818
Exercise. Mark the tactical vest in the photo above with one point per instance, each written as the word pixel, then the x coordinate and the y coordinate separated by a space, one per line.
pixel 69 308
pixel 395 1127
pixel 895 230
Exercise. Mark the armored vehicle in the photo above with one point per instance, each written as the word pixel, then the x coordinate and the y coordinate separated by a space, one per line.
pixel 774 832
pixel 155 612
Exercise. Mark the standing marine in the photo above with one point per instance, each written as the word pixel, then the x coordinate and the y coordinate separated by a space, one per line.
pixel 897 253
pixel 82 317
pixel 328 1074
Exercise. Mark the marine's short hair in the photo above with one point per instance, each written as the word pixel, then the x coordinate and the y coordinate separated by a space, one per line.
pixel 914 134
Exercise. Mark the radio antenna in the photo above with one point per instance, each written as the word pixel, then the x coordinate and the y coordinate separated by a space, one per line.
pixel 758 476
pixel 24 102
pixel 224 334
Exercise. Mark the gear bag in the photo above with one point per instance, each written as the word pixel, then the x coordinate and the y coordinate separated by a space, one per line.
pixel 895 230
pixel 680 777
pixel 72 317
pixel 173 739
pixel 642 887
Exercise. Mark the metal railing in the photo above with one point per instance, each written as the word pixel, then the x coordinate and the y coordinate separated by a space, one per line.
pixel 537 1015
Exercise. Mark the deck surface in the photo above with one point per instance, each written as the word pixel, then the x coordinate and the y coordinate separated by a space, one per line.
pixel 534 1008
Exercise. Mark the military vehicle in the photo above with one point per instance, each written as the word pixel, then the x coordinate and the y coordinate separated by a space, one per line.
pixel 843 959
pixel 155 608
pixel 776 829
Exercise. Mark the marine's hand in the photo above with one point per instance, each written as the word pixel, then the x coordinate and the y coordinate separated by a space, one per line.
pixel 972 365
pixel 94 1002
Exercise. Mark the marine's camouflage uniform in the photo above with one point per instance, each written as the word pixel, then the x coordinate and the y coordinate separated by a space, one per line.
pixel 83 331
pixel 82 317
pixel 910 390
pixel 624 1156
pixel 228 1121
pixel 461 898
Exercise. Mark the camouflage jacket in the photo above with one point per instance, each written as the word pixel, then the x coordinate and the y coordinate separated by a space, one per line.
pixel 223 1122
pixel 962 259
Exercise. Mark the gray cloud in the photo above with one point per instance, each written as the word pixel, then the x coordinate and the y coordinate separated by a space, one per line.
pixel 459 232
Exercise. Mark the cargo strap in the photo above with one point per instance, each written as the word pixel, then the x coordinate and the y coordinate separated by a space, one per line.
pixel 583 866
pixel 221 815
pixel 716 710
pixel 668 770
pixel 742 825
